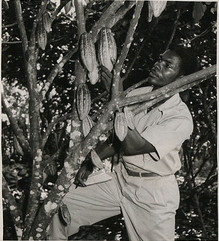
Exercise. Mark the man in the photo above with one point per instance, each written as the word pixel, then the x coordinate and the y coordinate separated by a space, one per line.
pixel 143 186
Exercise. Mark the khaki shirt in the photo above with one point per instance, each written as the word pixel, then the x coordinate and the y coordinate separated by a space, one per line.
pixel 166 127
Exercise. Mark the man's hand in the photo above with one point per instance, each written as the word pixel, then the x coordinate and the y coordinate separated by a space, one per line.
pixel 85 170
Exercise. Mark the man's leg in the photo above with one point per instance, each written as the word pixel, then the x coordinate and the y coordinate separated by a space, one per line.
pixel 87 205
pixel 149 210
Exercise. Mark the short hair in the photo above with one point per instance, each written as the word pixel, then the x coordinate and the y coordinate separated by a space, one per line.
pixel 189 61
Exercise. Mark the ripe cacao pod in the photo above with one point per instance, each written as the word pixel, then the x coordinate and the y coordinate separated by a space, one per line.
pixel 96 160
pixel 120 126
pixel 107 50
pixel 87 124
pixel 157 7
pixel 129 118
pixel 47 22
pixel 83 101
pixel 41 36
pixel 88 56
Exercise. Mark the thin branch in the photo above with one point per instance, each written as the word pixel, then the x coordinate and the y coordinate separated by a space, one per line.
pixel 99 96
pixel 11 42
pixel 9 25
pixel 51 126
pixel 21 26
pixel 155 21
pixel 54 72
pixel 14 125
pixel 201 34
pixel 207 112
pixel 175 25
pixel 129 38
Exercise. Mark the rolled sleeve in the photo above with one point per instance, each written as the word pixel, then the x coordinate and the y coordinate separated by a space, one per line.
pixel 168 135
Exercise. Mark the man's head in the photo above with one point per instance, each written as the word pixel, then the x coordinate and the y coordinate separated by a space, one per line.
pixel 173 63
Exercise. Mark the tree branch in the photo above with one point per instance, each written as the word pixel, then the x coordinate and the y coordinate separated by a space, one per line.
pixel 104 19
pixel 120 14
pixel 9 25
pixel 33 201
pixel 11 203
pixel 59 8
pixel 51 126
pixel 154 23
pixel 174 29
pixel 14 125
pixel 36 21
pixel 129 38
pixel 21 26
pixel 179 83
pixel 135 86
pixel 54 72
pixel 11 42
pixel 80 17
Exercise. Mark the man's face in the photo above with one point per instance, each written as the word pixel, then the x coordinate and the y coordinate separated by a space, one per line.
pixel 166 70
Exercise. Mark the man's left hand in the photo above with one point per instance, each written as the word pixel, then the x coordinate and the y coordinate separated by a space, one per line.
pixel 85 170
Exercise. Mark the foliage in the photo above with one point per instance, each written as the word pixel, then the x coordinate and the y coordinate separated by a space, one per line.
pixel 186 23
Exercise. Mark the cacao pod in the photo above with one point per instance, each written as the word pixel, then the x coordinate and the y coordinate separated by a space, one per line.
pixel 157 7
pixel 41 36
pixel 88 57
pixel 129 118
pixel 47 22
pixel 120 126
pixel 96 160
pixel 83 101
pixel 107 50
pixel 87 124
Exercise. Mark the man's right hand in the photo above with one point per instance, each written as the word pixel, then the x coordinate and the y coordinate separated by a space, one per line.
pixel 85 170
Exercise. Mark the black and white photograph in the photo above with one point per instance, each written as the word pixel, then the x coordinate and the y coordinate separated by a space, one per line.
pixel 109 120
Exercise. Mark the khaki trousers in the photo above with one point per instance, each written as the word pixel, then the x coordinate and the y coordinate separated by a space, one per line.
pixel 148 205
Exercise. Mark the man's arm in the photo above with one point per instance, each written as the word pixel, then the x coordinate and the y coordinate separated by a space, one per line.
pixel 135 144
pixel 104 150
